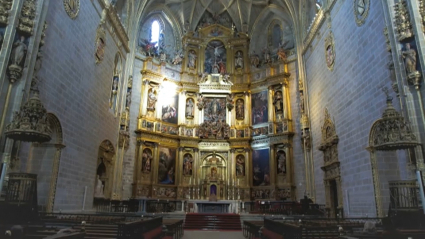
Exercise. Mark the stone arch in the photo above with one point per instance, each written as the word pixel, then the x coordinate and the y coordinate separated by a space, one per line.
pixel 45 162
pixel 331 167
pixel 105 170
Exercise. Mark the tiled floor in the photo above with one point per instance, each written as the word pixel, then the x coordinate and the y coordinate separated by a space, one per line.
pixel 213 235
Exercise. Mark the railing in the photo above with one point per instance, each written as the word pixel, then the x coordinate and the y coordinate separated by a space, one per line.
pixel 283 208
pixel 107 205
pixel 77 218
pixel 317 227
pixel 158 206
pixel 174 228
pixel 251 229
pixel 137 229
pixel 404 195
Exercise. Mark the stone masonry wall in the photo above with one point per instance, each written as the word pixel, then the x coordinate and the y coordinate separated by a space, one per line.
pixel 353 96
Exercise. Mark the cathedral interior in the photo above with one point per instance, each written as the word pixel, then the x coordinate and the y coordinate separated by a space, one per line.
pixel 213 106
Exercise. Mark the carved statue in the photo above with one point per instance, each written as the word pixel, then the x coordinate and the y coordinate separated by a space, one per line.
pixel 240 165
pixel 230 102
pixel 239 60
pixel 240 109
pixel 192 59
pixel 98 193
pixel 266 55
pixel 18 52
pixel 151 100
pixel 189 107
pixel 255 59
pixel 410 59
pixel 201 102
pixel 281 55
pixel 278 102
pixel 178 58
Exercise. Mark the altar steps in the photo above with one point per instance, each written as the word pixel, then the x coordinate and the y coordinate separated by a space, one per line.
pixel 202 221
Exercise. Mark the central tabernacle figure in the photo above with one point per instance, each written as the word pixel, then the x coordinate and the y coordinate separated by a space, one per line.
pixel 215 58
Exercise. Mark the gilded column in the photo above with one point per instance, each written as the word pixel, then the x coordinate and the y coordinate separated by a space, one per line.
pixel 155 163
pixel 247 112
pixel 287 104
pixel 273 165
pixel 230 166
pixel 144 100
pixel 182 108
pixel 248 169
pixel 270 106
pixel 201 55
pixel 179 166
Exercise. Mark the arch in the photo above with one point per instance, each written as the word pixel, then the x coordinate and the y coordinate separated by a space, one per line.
pixel 331 167
pixel 104 170
pixel 272 37
pixel 45 162
pixel 115 85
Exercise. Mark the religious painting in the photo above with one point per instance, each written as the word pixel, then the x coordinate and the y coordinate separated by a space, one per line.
pixel 261 167
pixel 166 165
pixel 169 109
pixel 281 161
pixel 240 165
pixel 215 110
pixel 149 125
pixel 167 129
pixel 146 160
pixel 215 58
pixel 189 132
pixel 190 108
pixel 187 164
pixel 240 133
pixel 240 109
pixel 278 102
pixel 259 107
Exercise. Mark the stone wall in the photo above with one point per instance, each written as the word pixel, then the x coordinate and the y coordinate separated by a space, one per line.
pixel 353 96
pixel 77 91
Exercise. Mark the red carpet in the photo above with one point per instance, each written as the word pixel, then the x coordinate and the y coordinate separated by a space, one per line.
pixel 203 221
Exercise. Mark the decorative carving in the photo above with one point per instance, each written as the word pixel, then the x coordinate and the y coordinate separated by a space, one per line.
pixel 413 76
pixel 361 10
pixel 17 59
pixel 27 18
pixel 72 8
pixel 387 39
pixel 201 102
pixel 229 102
pixel 391 132
pixel 124 139
pixel 152 98
pixel 240 109
pixel 330 51
pixel 278 102
pixel 5 6
pixel 402 21
pixel 100 44
pixel 215 130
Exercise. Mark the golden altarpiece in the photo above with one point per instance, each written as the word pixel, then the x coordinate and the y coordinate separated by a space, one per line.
pixel 222 132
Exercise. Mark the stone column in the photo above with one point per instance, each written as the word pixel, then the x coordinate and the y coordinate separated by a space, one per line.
pixel 230 166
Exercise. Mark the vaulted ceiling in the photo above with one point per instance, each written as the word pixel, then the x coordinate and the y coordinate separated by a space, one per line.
pixel 244 13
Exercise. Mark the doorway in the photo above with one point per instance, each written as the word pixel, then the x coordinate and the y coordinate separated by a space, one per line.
pixel 334 198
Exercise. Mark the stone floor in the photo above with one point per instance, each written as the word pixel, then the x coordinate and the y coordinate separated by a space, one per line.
pixel 212 234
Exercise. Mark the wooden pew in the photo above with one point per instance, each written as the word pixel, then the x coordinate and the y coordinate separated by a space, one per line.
pixel 174 228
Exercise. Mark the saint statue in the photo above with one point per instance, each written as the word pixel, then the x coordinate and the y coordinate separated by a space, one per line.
pixel 18 52
pixel 192 59
pixel 98 191
pixel 278 102
pixel 240 109
pixel 239 61
pixel 410 59
pixel 189 107
pixel 151 100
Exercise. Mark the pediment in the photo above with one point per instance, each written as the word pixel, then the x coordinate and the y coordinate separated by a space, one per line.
pixel 215 31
